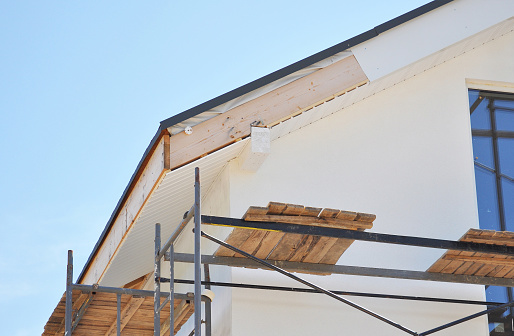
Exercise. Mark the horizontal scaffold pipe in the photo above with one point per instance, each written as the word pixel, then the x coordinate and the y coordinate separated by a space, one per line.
pixel 351 270
pixel 338 292
pixel 187 217
pixel 130 291
pixel 361 235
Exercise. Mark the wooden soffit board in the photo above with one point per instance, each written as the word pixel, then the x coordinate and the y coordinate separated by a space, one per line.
pixel 269 245
pixel 268 109
pixel 475 263
pixel 101 314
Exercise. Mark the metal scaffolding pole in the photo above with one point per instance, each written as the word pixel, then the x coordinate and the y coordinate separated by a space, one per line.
pixel 316 287
pixel 362 235
pixel 172 290
pixel 69 303
pixel 198 265
pixel 157 283
pixel 208 311
pixel 338 292
pixel 118 314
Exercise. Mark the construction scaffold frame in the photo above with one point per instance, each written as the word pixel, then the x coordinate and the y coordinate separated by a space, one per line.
pixel 166 252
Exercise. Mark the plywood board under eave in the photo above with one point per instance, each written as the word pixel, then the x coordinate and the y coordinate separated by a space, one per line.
pixel 269 109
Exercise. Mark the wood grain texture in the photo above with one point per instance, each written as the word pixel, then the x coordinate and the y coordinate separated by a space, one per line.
pixel 296 247
pixel 475 263
pixel 271 108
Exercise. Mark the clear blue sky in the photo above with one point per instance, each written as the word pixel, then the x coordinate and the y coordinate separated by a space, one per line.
pixel 83 87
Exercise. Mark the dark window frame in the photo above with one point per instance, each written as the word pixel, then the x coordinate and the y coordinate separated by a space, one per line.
pixel 495 135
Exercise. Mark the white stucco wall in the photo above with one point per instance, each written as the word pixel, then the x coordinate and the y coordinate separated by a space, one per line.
pixel 404 154
pixel 429 33
pixel 216 203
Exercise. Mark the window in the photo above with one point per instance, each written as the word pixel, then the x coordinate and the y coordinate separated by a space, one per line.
pixel 492 124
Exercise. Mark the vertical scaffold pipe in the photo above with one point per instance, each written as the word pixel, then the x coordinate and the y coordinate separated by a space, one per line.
pixel 172 290
pixel 118 314
pixel 69 303
pixel 157 283
pixel 198 269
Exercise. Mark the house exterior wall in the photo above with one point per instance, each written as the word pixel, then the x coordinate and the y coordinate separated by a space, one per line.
pixel 404 154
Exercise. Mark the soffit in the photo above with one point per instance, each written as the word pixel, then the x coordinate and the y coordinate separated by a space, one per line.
pixel 167 205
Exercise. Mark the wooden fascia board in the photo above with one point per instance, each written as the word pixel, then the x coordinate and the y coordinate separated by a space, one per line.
pixel 269 109
pixel 146 179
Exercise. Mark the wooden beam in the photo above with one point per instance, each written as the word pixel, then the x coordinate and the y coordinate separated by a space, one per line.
pixel 132 306
pixel 180 313
pixel 269 109
pixel 306 220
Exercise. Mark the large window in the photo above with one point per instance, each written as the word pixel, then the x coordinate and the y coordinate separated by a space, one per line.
pixel 492 123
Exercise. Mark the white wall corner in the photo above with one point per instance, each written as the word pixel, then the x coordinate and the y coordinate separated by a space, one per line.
pixel 256 152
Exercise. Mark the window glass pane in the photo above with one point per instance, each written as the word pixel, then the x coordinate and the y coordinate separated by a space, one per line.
pixel 487 199
pixel 504 120
pixel 480 117
pixel 504 103
pixel 508 202
pixel 506 149
pixel 483 151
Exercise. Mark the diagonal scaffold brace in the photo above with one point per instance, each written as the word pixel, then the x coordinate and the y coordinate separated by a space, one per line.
pixel 307 283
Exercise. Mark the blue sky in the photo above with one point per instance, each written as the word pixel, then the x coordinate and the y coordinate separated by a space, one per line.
pixel 83 87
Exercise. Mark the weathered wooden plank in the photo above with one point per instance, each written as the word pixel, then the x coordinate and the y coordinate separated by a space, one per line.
pixel 131 306
pixel 319 251
pixel 316 221
pixel 236 238
pixel 271 108
pixel 286 247
pixel 276 208
pixel 256 211
pixel 329 213
pixel 267 244
pixel 293 210
pixel 311 212
pixel 485 259
pixel 365 217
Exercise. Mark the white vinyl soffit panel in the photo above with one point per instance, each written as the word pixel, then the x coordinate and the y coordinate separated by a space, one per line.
pixel 167 205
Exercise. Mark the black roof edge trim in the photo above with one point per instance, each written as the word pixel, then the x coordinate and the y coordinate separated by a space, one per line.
pixel 260 82
pixel 255 85
pixel 118 205
pixel 410 15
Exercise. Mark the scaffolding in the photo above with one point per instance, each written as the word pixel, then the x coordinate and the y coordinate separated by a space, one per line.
pixel 166 252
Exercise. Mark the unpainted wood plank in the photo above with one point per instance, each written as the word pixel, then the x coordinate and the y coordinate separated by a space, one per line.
pixel 267 244
pixel 286 247
pixel 346 215
pixel 485 259
pixel 276 208
pixel 365 217
pixel 132 305
pixel 320 249
pixel 270 239
pixel 329 213
pixel 236 238
pixel 269 108
pixel 306 245
pixel 293 210
pixel 256 211
pixel 254 241
pixel 336 251
pixel 453 265
pixel 311 212
pixel 315 221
